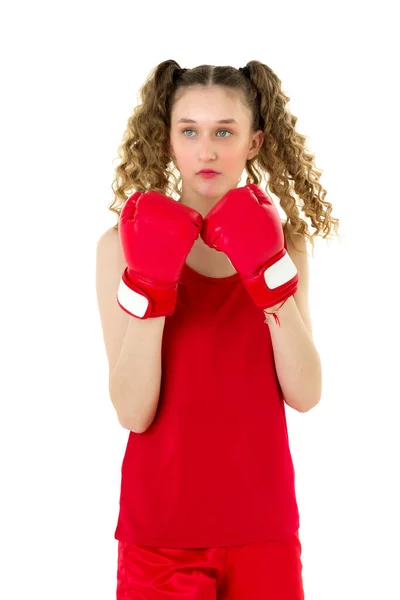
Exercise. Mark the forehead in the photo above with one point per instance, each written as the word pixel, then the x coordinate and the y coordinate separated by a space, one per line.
pixel 209 105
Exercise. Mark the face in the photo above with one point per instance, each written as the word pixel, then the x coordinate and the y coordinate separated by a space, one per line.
pixel 204 143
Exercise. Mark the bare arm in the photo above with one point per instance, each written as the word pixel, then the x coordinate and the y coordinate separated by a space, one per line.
pixel 297 361
pixel 135 380
pixel 133 345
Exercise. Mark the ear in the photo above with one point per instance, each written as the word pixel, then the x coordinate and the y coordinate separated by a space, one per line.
pixel 257 141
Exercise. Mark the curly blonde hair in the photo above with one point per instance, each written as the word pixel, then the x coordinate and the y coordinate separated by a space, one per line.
pixel 145 156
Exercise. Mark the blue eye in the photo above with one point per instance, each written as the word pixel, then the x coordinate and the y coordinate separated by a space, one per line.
pixel 226 130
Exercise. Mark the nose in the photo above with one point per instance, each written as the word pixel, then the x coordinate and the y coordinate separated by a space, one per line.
pixel 206 149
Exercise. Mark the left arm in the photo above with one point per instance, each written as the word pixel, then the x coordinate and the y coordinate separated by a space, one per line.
pixel 297 361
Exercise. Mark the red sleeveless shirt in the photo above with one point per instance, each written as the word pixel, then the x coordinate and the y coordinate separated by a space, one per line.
pixel 214 468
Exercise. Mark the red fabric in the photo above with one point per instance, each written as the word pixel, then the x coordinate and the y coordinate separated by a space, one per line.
pixel 214 468
pixel 263 571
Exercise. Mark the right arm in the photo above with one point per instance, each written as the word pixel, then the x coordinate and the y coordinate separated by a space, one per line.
pixel 133 345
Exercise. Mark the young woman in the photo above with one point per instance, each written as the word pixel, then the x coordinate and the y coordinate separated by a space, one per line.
pixel 204 308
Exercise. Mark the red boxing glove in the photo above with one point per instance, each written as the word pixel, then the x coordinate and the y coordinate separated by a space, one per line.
pixel 245 225
pixel 156 235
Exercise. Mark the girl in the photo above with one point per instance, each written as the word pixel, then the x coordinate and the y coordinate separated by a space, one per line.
pixel 204 308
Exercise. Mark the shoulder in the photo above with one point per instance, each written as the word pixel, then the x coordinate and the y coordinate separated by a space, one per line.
pixel 298 252
pixel 294 241
pixel 108 239
pixel 109 234
pixel 109 249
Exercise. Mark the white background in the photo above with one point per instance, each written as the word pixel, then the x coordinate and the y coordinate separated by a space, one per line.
pixel 71 74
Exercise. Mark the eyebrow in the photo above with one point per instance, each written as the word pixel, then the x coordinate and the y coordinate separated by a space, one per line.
pixel 186 120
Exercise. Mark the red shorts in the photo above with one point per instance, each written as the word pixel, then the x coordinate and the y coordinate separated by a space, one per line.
pixel 261 571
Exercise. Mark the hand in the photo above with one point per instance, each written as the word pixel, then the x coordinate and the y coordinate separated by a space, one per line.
pixel 156 234
pixel 245 225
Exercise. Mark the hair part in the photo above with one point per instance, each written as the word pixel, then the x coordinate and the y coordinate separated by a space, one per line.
pixel 293 178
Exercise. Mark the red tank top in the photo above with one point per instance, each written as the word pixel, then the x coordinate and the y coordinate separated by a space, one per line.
pixel 214 468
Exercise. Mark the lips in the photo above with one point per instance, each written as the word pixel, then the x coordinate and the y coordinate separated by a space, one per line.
pixel 208 171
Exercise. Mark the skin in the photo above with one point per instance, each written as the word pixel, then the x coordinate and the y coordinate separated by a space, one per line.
pixel 210 145
pixel 296 358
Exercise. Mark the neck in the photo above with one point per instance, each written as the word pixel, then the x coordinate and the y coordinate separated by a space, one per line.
pixel 203 254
